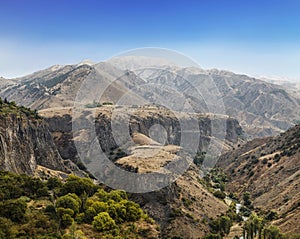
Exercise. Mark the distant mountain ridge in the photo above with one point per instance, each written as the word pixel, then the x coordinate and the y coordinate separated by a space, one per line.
pixel 262 108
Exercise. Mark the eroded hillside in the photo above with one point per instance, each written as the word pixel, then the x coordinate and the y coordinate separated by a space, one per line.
pixel 269 169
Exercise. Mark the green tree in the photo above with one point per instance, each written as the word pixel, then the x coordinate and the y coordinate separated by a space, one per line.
pixel 272 232
pixel 71 201
pixel 220 194
pixel 13 209
pixel 133 210
pixel 54 183
pixel 6 231
pixel 247 200
pixel 78 186
pixel 103 222
pixel 253 226
pixel 66 220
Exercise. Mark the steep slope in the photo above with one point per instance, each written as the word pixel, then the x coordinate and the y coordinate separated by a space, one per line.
pixel 184 207
pixel 53 87
pixel 26 145
pixel 141 121
pixel 270 170
pixel 5 82
pixel 262 108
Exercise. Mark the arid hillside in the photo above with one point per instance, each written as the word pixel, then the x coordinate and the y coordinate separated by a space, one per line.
pixel 269 169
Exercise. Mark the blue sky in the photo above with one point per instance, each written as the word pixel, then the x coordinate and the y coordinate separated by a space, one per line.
pixel 260 38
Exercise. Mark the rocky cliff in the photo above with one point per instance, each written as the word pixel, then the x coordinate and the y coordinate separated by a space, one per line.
pixel 60 125
pixel 26 144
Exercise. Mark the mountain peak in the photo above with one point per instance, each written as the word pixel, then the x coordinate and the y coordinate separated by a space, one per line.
pixel 86 62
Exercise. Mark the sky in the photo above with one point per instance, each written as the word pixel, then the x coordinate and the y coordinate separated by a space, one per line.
pixel 258 38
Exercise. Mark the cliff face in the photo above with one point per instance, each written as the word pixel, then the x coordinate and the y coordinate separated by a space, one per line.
pixel 60 125
pixel 25 144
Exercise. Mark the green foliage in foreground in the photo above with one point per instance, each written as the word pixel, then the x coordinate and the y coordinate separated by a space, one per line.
pixel 76 208
pixel 7 107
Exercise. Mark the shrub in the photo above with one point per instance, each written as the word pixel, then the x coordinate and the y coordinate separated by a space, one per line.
pixel 71 201
pixel 246 199
pixel 103 222
pixel 54 183
pixel 13 209
pixel 220 194
pixel 272 215
pixel 89 214
pixel 66 220
pixel 6 231
pixel 133 210
pixel 79 186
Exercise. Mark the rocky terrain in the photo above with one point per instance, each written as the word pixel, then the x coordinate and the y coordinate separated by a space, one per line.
pixel 141 121
pixel 269 169
pixel 140 134
pixel 183 208
pixel 27 145
pixel 262 108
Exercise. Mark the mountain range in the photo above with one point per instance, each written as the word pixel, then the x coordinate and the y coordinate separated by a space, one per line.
pixel 263 109
pixel 248 124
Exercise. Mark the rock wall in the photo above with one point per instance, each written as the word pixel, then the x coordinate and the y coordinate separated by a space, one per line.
pixel 60 125
pixel 26 143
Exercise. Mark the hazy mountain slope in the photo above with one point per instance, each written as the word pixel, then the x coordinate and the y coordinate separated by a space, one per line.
pixel 270 170
pixel 6 82
pixel 53 87
pixel 262 108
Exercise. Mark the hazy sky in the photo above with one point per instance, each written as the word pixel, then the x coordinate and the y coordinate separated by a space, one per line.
pixel 260 38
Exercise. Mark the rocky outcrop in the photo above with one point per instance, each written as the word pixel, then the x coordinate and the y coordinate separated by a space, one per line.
pixel 25 144
pixel 60 125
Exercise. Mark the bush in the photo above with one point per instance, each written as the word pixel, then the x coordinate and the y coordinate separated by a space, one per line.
pixel 54 183
pixel 13 209
pixel 71 201
pixel 66 220
pixel 79 186
pixel 6 231
pixel 272 232
pixel 89 214
pixel 103 222
pixel 220 194
pixel 246 199
pixel 272 215
pixel 221 225
pixel 133 210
